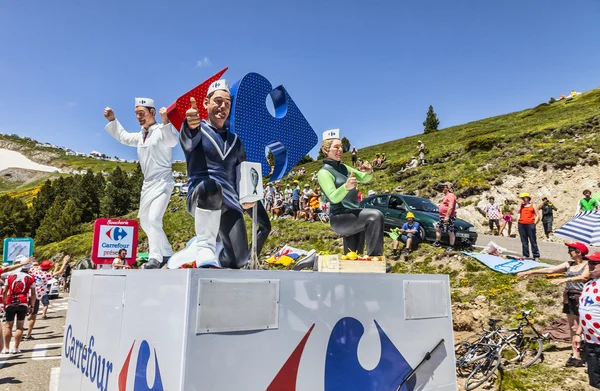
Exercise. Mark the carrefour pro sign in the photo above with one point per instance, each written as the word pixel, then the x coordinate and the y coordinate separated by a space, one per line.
pixel 111 235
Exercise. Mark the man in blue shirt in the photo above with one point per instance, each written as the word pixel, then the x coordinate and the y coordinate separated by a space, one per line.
pixel 296 200
pixel 411 234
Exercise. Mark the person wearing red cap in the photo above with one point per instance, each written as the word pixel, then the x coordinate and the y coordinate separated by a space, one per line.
pixel 589 321
pixel 576 274
pixel 42 276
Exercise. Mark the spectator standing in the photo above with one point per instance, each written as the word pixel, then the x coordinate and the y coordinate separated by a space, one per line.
pixel 587 202
pixel 493 213
pixel 421 149
pixel 528 218
pixel 270 197
pixel 296 200
pixel 576 274
pixel 354 156
pixel 447 217
pixel 287 193
pixel 42 275
pixel 19 298
pixel 547 209
pixel 507 217
pixel 589 320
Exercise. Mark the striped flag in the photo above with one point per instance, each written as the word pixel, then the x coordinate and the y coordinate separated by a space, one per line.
pixel 583 227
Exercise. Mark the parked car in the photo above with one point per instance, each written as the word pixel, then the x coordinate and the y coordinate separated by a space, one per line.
pixel 395 206
pixel 54 288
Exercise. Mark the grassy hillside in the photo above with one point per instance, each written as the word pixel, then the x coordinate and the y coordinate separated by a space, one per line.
pixel 476 154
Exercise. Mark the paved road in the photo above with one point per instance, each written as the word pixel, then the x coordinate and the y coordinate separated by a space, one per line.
pixel 37 367
pixel 555 252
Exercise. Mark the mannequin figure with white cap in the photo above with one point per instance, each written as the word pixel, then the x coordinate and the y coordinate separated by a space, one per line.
pixel 212 155
pixel 339 181
pixel 154 144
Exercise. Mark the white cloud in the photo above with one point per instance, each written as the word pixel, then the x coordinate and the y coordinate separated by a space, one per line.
pixel 205 62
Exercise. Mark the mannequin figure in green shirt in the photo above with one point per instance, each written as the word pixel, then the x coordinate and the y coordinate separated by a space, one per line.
pixel 339 181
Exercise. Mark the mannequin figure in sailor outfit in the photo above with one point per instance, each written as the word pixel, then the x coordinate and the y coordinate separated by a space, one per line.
pixel 155 150
pixel 213 154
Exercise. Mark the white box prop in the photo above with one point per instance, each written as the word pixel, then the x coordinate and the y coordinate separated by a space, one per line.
pixel 250 185
pixel 220 330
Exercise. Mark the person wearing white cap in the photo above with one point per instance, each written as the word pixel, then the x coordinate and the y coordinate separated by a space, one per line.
pixel 421 148
pixel 212 155
pixel 339 183
pixel 154 144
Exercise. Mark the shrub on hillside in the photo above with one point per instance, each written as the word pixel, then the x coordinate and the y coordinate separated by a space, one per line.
pixel 482 143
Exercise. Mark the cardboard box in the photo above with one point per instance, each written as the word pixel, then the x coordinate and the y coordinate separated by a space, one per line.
pixel 250 185
pixel 334 264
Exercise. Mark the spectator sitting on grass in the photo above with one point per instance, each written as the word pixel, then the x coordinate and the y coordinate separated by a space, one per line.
pixel 409 234
pixel 377 162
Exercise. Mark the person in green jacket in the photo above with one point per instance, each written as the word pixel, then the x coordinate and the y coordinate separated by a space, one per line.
pixel 339 181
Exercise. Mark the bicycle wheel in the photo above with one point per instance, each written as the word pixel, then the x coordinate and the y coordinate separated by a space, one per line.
pixel 466 354
pixel 484 368
pixel 521 351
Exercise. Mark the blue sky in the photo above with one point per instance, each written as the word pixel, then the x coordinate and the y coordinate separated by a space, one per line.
pixel 371 68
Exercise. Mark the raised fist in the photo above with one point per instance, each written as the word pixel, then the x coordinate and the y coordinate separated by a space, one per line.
pixel 109 114
pixel 163 115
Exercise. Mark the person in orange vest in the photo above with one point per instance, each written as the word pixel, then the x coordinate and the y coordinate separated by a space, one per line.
pixel 528 218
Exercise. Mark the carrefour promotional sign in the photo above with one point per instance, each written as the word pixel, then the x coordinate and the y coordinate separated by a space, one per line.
pixel 111 235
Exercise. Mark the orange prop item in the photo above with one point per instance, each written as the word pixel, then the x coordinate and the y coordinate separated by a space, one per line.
pixel 176 111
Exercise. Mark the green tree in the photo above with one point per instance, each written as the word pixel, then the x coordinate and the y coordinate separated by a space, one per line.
pixel 431 121
pixel 40 205
pixel 345 144
pixel 321 155
pixel 137 180
pixel 15 217
pixel 117 196
pixel 49 231
pixel 306 159
pixel 87 196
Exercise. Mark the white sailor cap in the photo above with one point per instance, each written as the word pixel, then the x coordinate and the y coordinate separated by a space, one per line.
pixel 332 133
pixel 218 85
pixel 146 102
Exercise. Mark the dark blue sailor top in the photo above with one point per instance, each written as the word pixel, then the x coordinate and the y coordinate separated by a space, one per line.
pixel 213 153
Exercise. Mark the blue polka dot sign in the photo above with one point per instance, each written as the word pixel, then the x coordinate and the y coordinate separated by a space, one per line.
pixel 287 134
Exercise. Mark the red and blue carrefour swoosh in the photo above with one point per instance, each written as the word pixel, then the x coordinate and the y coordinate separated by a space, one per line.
pixel 140 383
pixel 342 368
pixel 116 233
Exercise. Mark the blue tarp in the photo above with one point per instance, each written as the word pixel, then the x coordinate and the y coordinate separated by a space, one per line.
pixel 506 265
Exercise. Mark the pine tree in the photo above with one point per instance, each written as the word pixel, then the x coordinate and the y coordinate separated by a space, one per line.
pixel 40 205
pixel 117 196
pixel 70 218
pixel 15 217
pixel 137 180
pixel 87 197
pixel 306 159
pixel 321 155
pixel 345 144
pixel 431 121
pixel 49 231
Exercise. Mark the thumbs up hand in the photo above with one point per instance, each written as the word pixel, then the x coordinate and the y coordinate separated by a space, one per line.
pixel 351 182
pixel 192 116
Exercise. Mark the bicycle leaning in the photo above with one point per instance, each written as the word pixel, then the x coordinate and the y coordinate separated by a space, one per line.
pixel 506 348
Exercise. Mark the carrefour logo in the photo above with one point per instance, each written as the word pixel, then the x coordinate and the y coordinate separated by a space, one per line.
pixel 93 365
pixel 116 233
pixel 140 381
